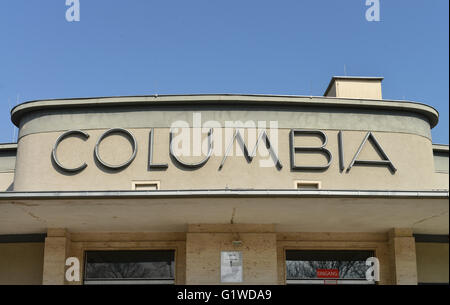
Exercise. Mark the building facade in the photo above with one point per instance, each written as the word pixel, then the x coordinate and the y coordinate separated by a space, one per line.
pixel 212 189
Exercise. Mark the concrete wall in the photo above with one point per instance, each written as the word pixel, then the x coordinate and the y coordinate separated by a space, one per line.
pixel 332 90
pixel 358 89
pixel 355 87
pixel 198 251
pixel 333 114
pixel 204 245
pixel 7 166
pixel 432 262
pixel 21 263
pixel 441 162
pixel 6 181
pixel 402 129
pixel 411 155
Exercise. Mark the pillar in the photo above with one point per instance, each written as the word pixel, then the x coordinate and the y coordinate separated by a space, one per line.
pixel 403 256
pixel 56 246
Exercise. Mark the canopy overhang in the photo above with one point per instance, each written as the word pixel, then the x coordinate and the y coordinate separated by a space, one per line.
pixel 171 211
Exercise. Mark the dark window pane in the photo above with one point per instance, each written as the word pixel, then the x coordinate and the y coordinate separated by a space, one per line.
pixel 129 265
pixel 305 264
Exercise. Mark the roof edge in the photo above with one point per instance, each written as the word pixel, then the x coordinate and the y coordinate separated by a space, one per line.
pixel 441 147
pixel 8 146
pixel 198 99
pixel 442 194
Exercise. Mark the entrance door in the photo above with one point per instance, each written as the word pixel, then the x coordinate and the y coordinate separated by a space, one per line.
pixel 327 267
pixel 129 267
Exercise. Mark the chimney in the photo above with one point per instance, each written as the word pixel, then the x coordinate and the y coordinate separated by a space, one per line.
pixel 358 87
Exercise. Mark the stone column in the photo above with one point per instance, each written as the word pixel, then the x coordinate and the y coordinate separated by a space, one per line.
pixel 403 256
pixel 55 252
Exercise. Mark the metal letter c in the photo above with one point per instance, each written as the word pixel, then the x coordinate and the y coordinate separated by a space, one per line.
pixel 67 134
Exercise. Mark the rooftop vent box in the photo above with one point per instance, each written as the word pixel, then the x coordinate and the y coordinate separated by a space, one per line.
pixel 358 87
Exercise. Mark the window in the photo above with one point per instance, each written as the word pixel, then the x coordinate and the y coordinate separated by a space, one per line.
pixel 327 267
pixel 129 267
pixel 145 185
pixel 308 185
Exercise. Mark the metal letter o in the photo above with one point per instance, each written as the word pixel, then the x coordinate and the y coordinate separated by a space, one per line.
pixel 127 134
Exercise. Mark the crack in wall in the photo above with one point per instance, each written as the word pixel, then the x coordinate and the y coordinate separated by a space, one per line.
pixel 232 216
pixel 428 218
pixel 25 204
pixel 22 207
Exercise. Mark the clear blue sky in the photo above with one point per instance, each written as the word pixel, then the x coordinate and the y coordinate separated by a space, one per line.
pixel 138 47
